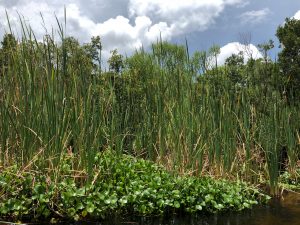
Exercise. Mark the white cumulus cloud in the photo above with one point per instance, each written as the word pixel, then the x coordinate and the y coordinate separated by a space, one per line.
pixel 297 15
pixel 138 24
pixel 116 32
pixel 181 16
pixel 235 48
pixel 31 13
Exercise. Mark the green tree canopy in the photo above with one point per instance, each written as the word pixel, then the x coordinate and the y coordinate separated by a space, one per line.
pixel 8 46
pixel 115 62
pixel 289 58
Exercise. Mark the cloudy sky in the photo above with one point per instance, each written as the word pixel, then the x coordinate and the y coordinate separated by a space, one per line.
pixel 129 24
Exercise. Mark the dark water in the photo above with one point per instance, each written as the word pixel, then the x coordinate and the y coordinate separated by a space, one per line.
pixel 279 212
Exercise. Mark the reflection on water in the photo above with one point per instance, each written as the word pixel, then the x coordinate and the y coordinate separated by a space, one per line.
pixel 286 211
pixel 278 212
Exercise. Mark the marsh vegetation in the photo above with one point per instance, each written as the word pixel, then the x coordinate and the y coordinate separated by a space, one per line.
pixel 239 121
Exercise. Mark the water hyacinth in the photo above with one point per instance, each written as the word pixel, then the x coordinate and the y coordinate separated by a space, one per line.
pixel 121 184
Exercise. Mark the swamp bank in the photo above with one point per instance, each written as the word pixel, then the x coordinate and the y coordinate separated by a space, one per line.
pixel 159 132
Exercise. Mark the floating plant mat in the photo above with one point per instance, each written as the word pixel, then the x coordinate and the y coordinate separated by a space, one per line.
pixel 284 211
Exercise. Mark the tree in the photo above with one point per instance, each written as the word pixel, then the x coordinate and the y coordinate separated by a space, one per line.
pixel 115 62
pixel 245 39
pixel 214 52
pixel 169 55
pixel 94 50
pixel 235 64
pixel 265 48
pixel 80 58
pixel 200 61
pixel 289 58
pixel 9 44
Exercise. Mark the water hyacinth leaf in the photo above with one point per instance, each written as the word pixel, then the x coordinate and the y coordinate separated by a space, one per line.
pixel 176 204
pixel 199 207
pixel 90 207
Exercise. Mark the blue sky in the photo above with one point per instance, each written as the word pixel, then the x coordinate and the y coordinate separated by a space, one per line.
pixel 129 24
pixel 230 26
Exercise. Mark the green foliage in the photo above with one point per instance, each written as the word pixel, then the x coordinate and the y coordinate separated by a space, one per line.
pixel 214 51
pixel 115 62
pixel 120 184
pixel 8 46
pixel 290 181
pixel 235 65
pixel 166 105
pixel 265 48
pixel 289 58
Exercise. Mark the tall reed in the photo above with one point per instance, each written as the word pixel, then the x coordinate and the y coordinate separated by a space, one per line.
pixel 159 107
